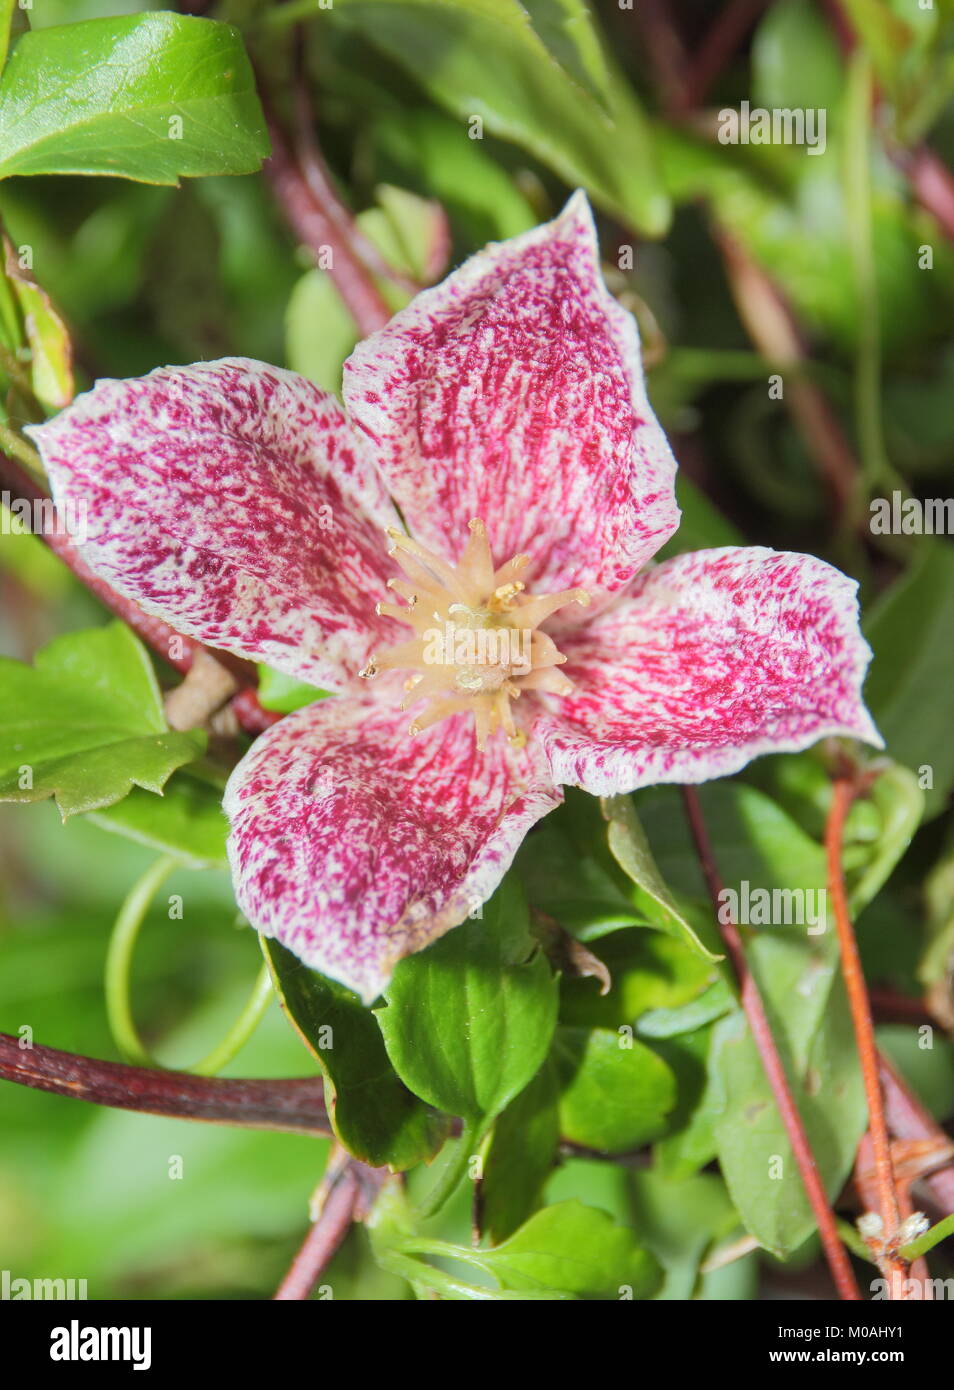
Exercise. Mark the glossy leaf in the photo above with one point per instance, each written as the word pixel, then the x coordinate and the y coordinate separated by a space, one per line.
pixel 85 724
pixel 615 1091
pixel 372 1113
pixel 753 1148
pixel 630 848
pixel 503 74
pixel 578 1250
pixel 187 821
pixel 913 670
pixel 521 1153
pixel 469 1020
pixel 151 97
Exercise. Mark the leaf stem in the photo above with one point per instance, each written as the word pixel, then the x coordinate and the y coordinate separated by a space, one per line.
pixel 453 1170
pixel 119 967
pixel 122 944
pixel 12 442
pixel 241 1030
pixel 754 1007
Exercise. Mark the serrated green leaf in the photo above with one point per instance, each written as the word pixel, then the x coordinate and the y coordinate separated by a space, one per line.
pixel 85 724
pixel 187 821
pixel 374 1115
pixel 469 1020
pixel 615 1092
pixel 151 97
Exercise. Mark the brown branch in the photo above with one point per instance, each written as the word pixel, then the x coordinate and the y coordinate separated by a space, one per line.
pixel 911 1120
pixel 667 54
pixel 754 1008
pixel 772 327
pixel 296 1106
pixel 844 791
pixel 319 180
pixel 865 1178
pixel 308 214
pixel 346 1194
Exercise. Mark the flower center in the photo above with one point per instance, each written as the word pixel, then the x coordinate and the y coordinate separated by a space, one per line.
pixel 477 643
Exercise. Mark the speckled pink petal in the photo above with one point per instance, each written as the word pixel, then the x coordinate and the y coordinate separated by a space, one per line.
pixel 714 658
pixel 355 845
pixel 514 392
pixel 230 499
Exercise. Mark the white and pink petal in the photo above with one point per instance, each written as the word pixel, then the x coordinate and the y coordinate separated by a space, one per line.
pixel 355 845
pixel 514 392
pixel 230 499
pixel 713 658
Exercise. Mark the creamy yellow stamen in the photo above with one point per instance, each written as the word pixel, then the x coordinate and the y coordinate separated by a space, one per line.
pixel 476 644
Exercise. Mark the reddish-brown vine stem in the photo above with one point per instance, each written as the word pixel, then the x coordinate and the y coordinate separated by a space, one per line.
pixel 322 233
pixel 844 792
pixel 754 1008
pixel 324 1237
pixel 347 1193
pixel 296 1106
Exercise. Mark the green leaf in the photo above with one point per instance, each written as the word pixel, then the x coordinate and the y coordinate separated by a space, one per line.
pixel 482 59
pixel 885 37
pixel 374 1115
pixel 187 820
pixel 570 875
pixel 938 957
pixel 648 971
pixel 754 1152
pixel 150 97
pixel 85 724
pixel 630 848
pixel 615 1091
pixel 578 1250
pixel 520 1155
pixel 282 693
pixel 477 193
pixel 679 1219
pixel 899 803
pixel 690 1142
pixel 469 1020
pixel 43 336
pixel 795 59
pixel 912 672
pixel 713 1003
pixel 756 842
pixel 567 29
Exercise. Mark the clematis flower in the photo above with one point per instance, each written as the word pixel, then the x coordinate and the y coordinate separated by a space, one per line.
pixel 462 556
